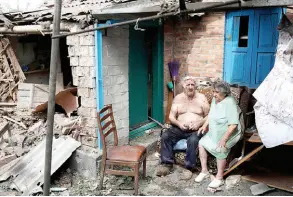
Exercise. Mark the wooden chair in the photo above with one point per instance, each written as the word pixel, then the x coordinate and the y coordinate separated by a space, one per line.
pixel 124 156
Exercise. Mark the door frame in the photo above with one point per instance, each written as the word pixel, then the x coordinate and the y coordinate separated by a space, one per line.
pixel 157 76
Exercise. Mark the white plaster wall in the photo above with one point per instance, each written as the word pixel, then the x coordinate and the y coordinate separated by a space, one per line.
pixel 115 77
pixel 81 51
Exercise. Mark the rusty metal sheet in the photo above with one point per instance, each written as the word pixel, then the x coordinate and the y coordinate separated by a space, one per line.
pixel 28 172
pixel 65 99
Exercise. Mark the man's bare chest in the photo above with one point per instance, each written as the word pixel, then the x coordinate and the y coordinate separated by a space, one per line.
pixel 190 107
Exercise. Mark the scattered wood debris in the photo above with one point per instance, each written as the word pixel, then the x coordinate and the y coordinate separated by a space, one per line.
pixel 22 131
pixel 12 120
pixel 10 73
pixel 27 176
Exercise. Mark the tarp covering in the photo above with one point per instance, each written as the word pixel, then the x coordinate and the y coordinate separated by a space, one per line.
pixel 274 107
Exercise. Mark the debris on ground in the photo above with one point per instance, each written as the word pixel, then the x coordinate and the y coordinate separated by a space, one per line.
pixel 58 189
pixel 214 190
pixel 232 181
pixel 65 99
pixel 27 176
pixel 21 132
pixel 259 189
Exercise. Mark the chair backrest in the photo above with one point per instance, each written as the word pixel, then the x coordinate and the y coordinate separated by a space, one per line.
pixel 106 124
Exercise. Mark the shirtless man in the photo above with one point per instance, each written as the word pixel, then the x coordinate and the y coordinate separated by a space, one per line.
pixel 188 113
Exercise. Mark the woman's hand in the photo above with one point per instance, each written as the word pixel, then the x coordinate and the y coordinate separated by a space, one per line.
pixel 202 130
pixel 222 143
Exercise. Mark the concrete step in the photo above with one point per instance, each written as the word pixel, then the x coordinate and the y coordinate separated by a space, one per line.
pixel 148 140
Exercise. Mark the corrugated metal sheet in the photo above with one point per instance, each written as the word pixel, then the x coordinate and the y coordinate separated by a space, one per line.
pixel 131 7
pixel 28 172
pixel 70 10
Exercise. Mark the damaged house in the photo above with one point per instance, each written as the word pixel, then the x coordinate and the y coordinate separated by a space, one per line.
pixel 127 66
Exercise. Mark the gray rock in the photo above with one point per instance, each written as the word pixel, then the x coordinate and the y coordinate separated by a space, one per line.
pixel 259 189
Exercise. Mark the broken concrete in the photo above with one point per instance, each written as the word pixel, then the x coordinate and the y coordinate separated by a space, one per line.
pixel 86 162
pixel 232 181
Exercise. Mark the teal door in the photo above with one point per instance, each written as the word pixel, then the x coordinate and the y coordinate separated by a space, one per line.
pixel 146 74
pixel 138 78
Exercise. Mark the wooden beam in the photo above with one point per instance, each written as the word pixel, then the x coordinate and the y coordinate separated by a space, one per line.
pixel 244 4
pixel 256 150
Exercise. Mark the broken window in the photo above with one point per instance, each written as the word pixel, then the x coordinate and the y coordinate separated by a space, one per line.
pixel 243 31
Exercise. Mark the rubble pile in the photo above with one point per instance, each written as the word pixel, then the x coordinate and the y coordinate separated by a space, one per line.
pixel 20 131
pixel 10 73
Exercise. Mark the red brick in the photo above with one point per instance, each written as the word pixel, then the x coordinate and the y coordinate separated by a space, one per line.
pixel 198 45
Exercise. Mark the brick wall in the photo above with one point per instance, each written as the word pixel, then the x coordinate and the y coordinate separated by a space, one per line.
pixel 199 47
pixel 115 77
pixel 81 50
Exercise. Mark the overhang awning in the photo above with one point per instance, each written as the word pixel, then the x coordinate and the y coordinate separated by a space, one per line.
pixel 244 4
pixel 130 10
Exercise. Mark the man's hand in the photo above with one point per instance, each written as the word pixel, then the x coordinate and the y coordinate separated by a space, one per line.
pixel 202 130
pixel 183 127
pixel 193 126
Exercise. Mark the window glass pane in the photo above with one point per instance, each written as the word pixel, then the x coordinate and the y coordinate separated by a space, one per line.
pixel 243 31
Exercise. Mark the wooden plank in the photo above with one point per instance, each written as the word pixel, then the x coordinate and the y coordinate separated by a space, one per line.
pixel 7 104
pixel 7 66
pixel 9 91
pixel 255 138
pixel 4 49
pixel 6 80
pixel 31 96
pixel 105 126
pixel 14 60
pixel 106 116
pixel 14 121
pixel 41 88
pixel 4 128
pixel 256 150
pixel 273 179
pixel 3 89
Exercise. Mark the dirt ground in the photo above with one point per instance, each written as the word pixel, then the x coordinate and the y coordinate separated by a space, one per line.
pixel 179 183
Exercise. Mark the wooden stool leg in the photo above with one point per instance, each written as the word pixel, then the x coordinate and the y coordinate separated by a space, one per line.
pixel 144 168
pixel 136 171
pixel 102 174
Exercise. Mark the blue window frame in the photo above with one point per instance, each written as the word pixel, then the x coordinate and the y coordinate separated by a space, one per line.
pixel 251 39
